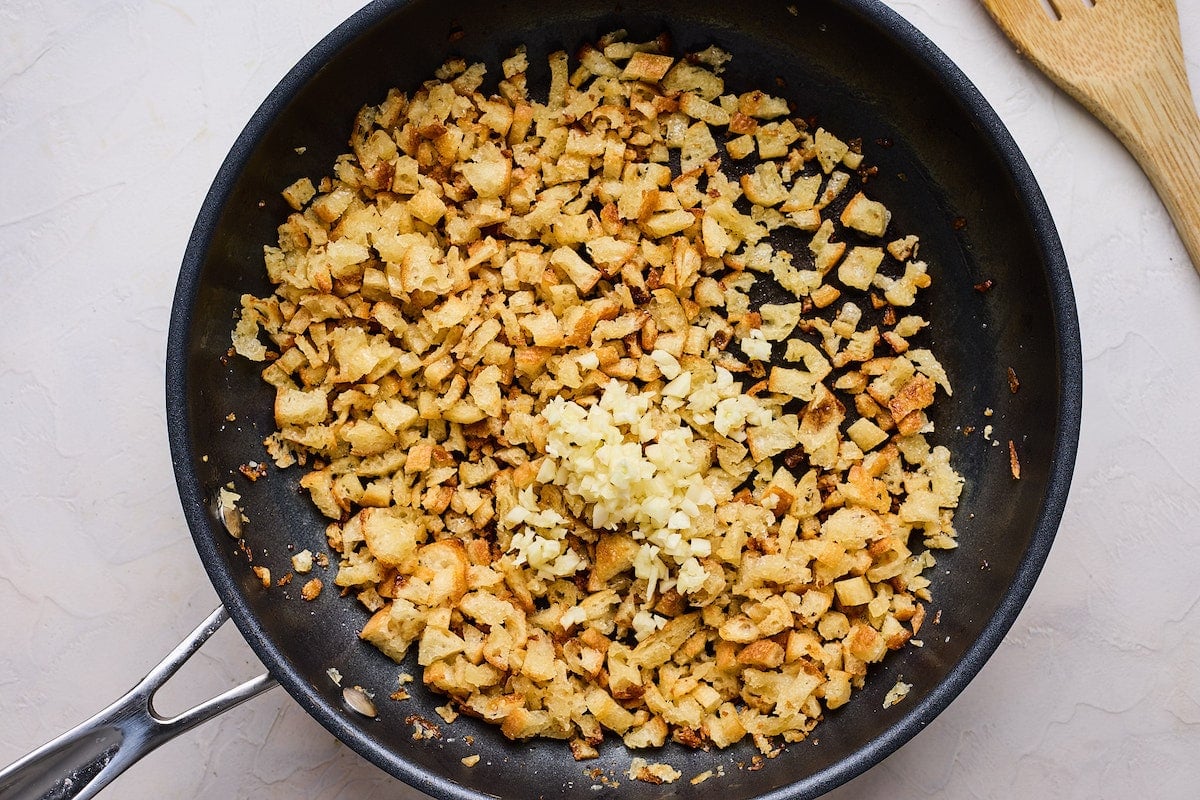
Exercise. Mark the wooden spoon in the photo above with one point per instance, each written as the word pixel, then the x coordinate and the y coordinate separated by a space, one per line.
pixel 1123 60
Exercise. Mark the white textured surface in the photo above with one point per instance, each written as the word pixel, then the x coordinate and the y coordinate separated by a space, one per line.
pixel 113 119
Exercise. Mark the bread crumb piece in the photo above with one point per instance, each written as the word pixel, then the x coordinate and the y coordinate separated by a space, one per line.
pixel 897 693
pixel 312 589
pixel 641 770
pixel 302 562
pixel 470 761
pixel 423 728
pixel 264 575
pixel 253 470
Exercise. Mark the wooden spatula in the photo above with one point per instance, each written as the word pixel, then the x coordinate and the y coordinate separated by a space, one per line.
pixel 1123 60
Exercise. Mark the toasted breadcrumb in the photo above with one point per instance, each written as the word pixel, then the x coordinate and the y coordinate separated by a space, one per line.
pixel 264 576
pixel 312 589
pixel 658 773
pixel 896 693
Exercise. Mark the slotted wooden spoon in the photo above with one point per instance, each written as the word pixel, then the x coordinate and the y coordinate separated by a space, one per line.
pixel 1123 60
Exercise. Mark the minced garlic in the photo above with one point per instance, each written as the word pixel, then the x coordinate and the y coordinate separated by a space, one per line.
pixel 636 473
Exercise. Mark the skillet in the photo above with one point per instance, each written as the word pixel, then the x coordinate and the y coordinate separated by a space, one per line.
pixel 948 170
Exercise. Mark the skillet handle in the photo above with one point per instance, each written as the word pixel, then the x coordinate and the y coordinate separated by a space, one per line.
pixel 84 760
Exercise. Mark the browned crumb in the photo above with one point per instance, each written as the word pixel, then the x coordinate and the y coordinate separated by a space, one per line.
pixel 285 580
pixel 656 773
pixel 253 470
pixel 264 575
pixel 1013 383
pixel 1013 462
pixel 582 751
pixel 984 286
pixel 423 728
pixel 312 589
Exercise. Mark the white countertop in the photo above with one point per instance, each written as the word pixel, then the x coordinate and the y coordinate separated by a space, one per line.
pixel 114 116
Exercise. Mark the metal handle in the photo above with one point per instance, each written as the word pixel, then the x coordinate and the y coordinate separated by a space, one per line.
pixel 84 760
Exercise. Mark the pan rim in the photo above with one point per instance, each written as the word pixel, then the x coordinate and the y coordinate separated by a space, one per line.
pixel 1070 386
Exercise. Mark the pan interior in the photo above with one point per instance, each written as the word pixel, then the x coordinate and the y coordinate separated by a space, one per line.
pixel 947 170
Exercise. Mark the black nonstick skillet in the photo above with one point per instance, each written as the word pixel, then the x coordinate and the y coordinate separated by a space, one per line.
pixel 947 169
